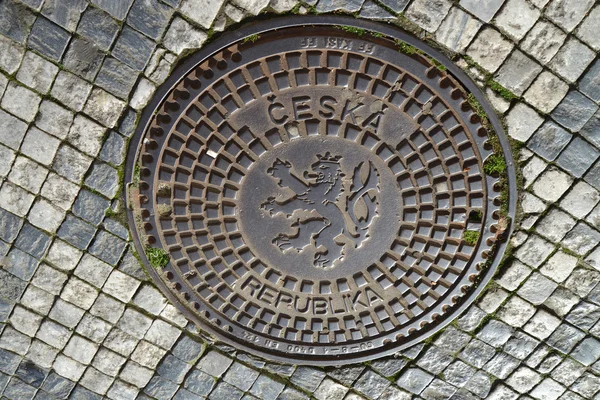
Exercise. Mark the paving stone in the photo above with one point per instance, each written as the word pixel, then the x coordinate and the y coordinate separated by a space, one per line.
pixel 581 239
pixel 40 146
pixel 11 54
pixel 501 365
pixel 65 13
pixel 15 20
pixel 20 264
pixel 93 328
pixel 565 337
pixel 104 179
pixel 549 140
pixel 36 72
pixel 14 199
pixel 471 319
pixel 133 49
pixel 12 130
pixel 240 376
pixel 162 334
pixel 57 385
pixel 552 184
pixel 594 217
pixel 64 256
pixel 593 259
pixel 587 352
pixel 587 30
pixel 518 72
pixel 54 119
pixel 559 266
pixel 479 384
pixel 25 321
pixel 116 8
pixel 122 390
pixel 414 380
pixel 477 353
pixel 543 41
pixel 584 315
pixel 516 312
pixel 71 90
pixel 428 14
pixel 458 373
pixel 199 382
pixel 59 191
pixel 556 224
pixel 49 279
pixel 542 324
pixel 434 360
pixel 109 248
pixel 9 362
pixel 28 174
pixel 517 17
pixel 451 340
pixel 226 391
pixel 149 355
pixel 587 385
pixel 90 207
pixel 149 17
pixel 36 299
pixel 534 251
pixel 116 77
pixel 568 371
pixel 492 299
pixel 572 59
pixel 531 204
pixel 495 333
pixel 173 369
pixel 107 308
pixel 590 82
pixel 17 389
pixel 7 156
pixel 537 288
pixel 568 13
pixel 136 374
pixel 328 389
pixel 593 176
pixel 108 362
pixel 53 334
pixel 66 314
pixel 214 363
pixel 523 379
pixel 86 135
pixel 578 157
pixel 582 281
pixel 83 58
pixel 31 373
pixel 457 30
pixel 482 10
pixel 131 266
pixel 202 15
pixel 371 10
pixel 79 293
pixel 581 199
pixel 96 381
pixel 181 35
pixel 562 301
pixel 134 323
pixel 10 225
pixel 81 349
pixel 113 149
pixel 20 101
pixel 76 232
pixel 514 276
pixel 93 270
pixel 161 388
pixel 522 121
pixel 546 92
pixel 48 38
pixel 548 389
pixel 99 27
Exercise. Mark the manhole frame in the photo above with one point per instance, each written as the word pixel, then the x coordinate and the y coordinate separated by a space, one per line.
pixel 256 28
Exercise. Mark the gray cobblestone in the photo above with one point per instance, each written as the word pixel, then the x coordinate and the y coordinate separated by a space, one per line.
pixel 568 13
pixel 66 314
pixel 457 30
pixel 428 14
pixel 11 54
pixel 517 17
pixel 522 121
pixel 64 256
pixel 572 59
pixel 15 20
pixel 99 27
pixel 518 72
pixel 116 77
pixel 543 41
pixel 48 38
pixel 83 58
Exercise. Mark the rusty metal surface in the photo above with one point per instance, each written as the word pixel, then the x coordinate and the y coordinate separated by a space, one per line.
pixel 312 189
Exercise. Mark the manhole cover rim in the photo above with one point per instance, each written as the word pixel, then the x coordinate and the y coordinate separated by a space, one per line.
pixel 254 28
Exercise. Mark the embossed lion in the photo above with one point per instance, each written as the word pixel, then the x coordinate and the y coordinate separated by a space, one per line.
pixel 327 212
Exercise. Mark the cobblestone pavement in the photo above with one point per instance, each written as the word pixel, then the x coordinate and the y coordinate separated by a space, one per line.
pixel 79 317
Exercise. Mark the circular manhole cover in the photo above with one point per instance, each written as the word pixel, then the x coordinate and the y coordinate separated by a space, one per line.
pixel 318 190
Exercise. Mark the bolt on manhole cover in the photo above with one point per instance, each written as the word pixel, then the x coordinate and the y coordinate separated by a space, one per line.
pixel 318 187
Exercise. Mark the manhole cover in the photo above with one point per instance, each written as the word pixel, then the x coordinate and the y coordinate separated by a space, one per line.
pixel 319 190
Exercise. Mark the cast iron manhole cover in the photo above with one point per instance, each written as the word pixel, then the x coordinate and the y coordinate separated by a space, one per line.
pixel 319 190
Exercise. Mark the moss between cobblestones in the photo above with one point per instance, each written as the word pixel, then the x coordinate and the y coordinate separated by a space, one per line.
pixel 251 38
